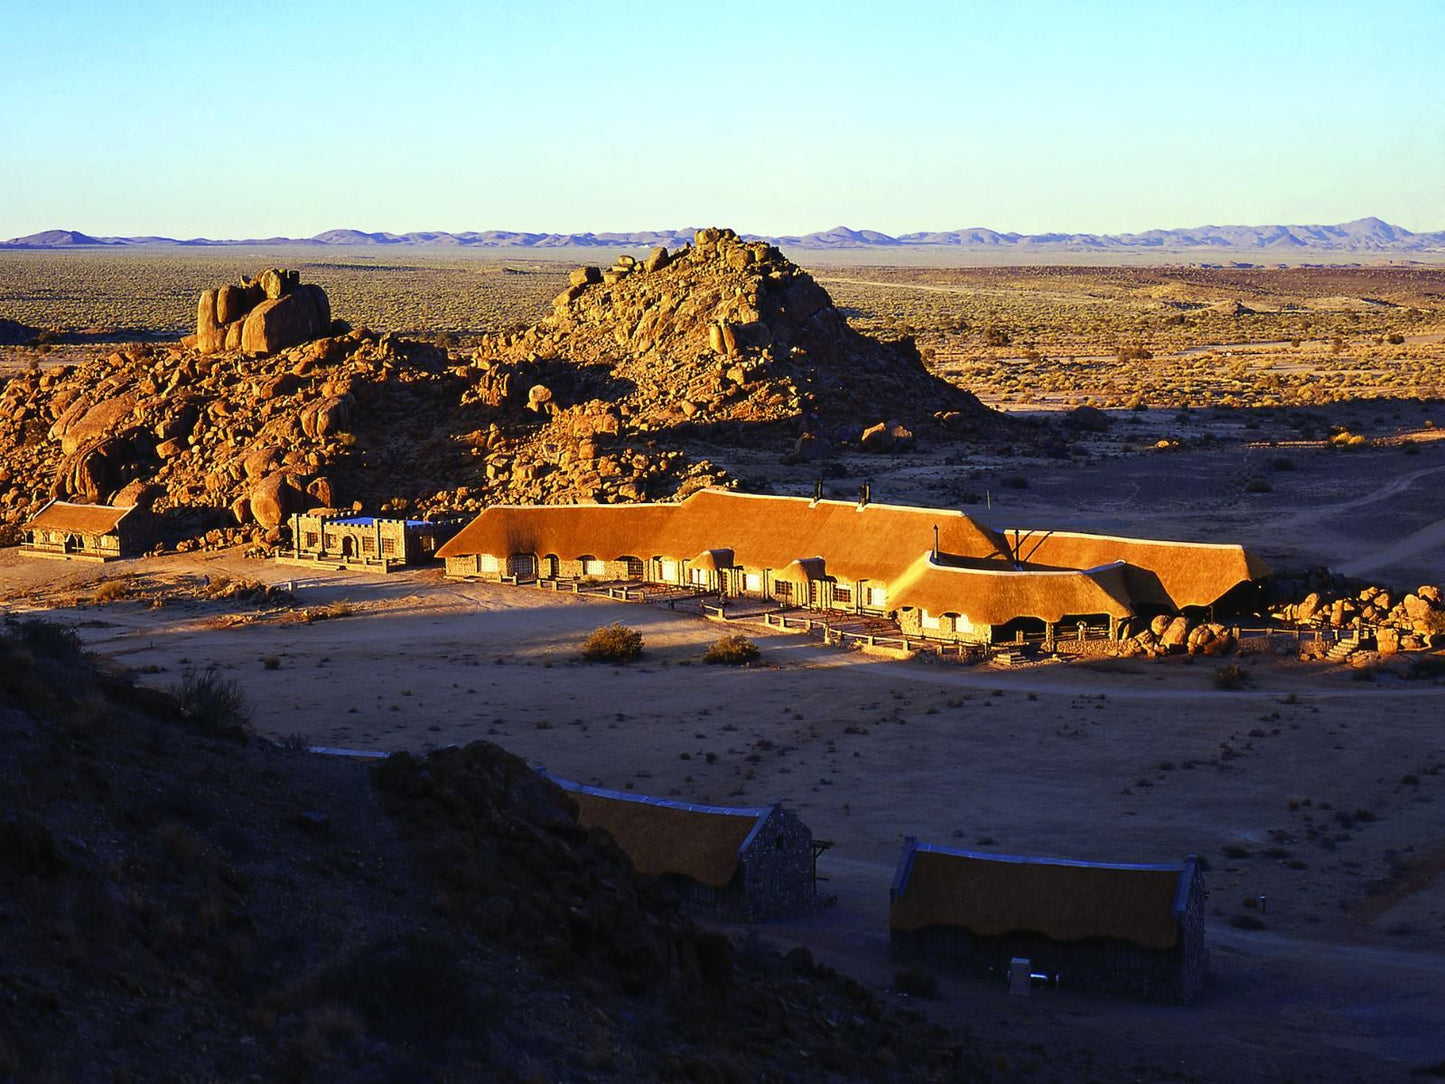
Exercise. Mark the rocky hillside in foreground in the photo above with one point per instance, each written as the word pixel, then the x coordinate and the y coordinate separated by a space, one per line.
pixel 616 395
pixel 181 903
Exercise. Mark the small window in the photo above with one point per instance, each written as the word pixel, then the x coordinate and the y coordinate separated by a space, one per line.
pixel 752 581
pixel 312 540
pixel 388 547
pixel 842 594
pixel 930 622
pixel 593 567
pixel 487 563
pixel 368 544
pixel 782 589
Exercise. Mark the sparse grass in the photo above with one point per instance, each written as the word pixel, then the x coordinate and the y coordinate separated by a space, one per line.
pixel 613 643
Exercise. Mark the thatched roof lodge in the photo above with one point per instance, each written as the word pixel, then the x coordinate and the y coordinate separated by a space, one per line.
pixel 87 532
pixel 940 572
pixel 1126 928
pixel 745 863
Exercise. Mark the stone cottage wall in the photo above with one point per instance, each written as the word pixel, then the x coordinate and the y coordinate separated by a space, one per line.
pixel 776 870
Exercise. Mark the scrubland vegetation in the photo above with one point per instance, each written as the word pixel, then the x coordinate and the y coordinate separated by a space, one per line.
pixel 1019 336
pixel 1162 337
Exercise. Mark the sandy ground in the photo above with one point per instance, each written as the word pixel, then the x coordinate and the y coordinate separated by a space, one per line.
pixel 1320 792
pixel 1121 761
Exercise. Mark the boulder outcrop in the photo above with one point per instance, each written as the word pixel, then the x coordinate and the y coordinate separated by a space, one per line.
pixel 640 369
pixel 263 315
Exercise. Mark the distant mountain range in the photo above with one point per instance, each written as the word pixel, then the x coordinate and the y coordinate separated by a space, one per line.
pixel 1364 235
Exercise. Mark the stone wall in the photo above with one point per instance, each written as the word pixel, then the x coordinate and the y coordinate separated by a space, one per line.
pixel 776 870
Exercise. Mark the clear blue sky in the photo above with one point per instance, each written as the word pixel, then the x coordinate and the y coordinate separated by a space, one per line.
pixel 247 119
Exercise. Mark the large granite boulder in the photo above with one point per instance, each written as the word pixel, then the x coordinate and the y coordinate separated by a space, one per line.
pixel 263 315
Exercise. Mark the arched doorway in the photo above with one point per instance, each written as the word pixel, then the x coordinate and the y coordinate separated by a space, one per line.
pixel 348 548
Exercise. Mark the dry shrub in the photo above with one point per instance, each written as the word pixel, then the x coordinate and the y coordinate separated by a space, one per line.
pixel 1230 677
pixel 214 704
pixel 734 649
pixel 613 643
pixel 112 591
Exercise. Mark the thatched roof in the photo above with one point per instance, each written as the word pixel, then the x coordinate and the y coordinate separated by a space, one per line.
pixel 1175 574
pixel 92 519
pixel 713 560
pixel 997 595
pixel 804 571
pixel 871 542
pixel 991 895
pixel 985 574
pixel 698 841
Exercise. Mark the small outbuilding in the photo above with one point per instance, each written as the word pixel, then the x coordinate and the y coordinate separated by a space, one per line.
pixel 373 543
pixel 87 532
pixel 1129 929
pixel 745 864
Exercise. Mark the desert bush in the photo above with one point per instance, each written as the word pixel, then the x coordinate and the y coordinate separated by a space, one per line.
pixel 44 639
pixel 613 643
pixel 213 704
pixel 1230 677
pixel 1425 668
pixel 112 591
pixel 732 650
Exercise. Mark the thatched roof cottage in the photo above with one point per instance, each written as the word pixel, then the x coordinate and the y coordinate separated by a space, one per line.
pixel 1125 928
pixel 87 532
pixel 742 863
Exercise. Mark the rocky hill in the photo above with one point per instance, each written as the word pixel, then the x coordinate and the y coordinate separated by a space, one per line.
pixel 616 395
pixel 181 902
